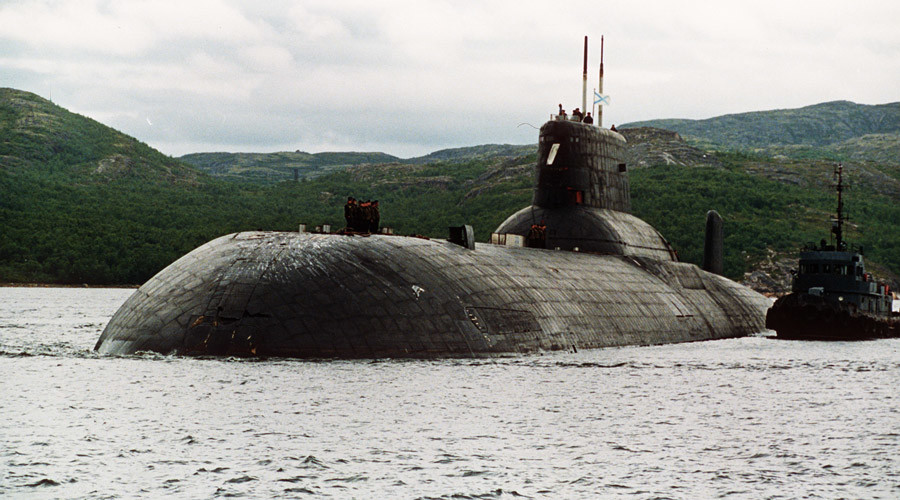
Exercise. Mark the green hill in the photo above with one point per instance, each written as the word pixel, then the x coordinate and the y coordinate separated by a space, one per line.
pixel 83 203
pixel 816 126
pixel 38 138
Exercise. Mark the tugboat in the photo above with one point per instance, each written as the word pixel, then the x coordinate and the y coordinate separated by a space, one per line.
pixel 832 296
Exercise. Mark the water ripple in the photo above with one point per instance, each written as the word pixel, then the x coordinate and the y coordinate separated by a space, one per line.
pixel 743 418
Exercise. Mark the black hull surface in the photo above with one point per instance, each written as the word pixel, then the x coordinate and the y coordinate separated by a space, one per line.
pixel 801 316
pixel 339 296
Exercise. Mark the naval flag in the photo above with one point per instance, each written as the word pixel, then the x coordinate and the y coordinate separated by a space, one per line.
pixel 601 99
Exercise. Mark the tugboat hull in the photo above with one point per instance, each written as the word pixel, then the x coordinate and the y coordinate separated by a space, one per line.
pixel 802 316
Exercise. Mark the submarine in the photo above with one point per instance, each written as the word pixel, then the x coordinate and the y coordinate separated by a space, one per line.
pixel 574 270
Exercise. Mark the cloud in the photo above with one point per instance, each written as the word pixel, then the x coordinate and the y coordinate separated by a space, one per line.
pixel 122 27
pixel 427 74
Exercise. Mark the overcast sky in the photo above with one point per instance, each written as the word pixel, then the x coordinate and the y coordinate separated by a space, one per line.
pixel 411 77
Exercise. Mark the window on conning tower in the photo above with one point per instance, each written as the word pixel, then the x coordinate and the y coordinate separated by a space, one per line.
pixel 552 154
pixel 575 197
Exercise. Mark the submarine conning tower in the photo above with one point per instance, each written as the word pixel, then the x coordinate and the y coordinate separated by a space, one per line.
pixel 580 164
pixel 581 197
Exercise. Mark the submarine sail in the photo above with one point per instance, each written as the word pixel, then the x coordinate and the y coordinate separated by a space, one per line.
pixel 592 276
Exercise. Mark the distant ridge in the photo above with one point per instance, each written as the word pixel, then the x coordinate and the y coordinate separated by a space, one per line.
pixel 276 167
pixel 816 125
pixel 473 152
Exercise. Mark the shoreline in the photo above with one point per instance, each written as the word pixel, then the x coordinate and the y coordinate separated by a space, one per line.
pixel 60 285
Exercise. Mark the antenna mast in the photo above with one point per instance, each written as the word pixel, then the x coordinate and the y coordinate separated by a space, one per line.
pixel 599 114
pixel 584 80
pixel 838 224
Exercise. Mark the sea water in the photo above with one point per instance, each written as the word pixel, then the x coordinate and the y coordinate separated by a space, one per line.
pixel 746 418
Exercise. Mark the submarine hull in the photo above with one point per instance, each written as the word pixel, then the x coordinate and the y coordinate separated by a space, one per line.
pixel 313 295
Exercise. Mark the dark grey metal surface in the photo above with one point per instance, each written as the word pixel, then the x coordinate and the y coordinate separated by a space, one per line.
pixel 592 229
pixel 582 195
pixel 574 156
pixel 463 236
pixel 318 295
pixel 804 316
pixel 714 244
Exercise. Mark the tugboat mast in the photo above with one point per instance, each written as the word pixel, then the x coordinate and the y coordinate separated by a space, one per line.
pixel 838 227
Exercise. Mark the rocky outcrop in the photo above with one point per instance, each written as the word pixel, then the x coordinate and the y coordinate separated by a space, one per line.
pixel 772 276
pixel 648 146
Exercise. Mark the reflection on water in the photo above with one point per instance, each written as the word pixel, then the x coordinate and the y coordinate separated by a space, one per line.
pixel 746 418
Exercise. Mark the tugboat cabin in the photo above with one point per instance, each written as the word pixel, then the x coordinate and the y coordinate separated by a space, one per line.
pixel 840 276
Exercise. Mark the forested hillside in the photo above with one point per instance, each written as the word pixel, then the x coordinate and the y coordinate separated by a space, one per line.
pixel 82 203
